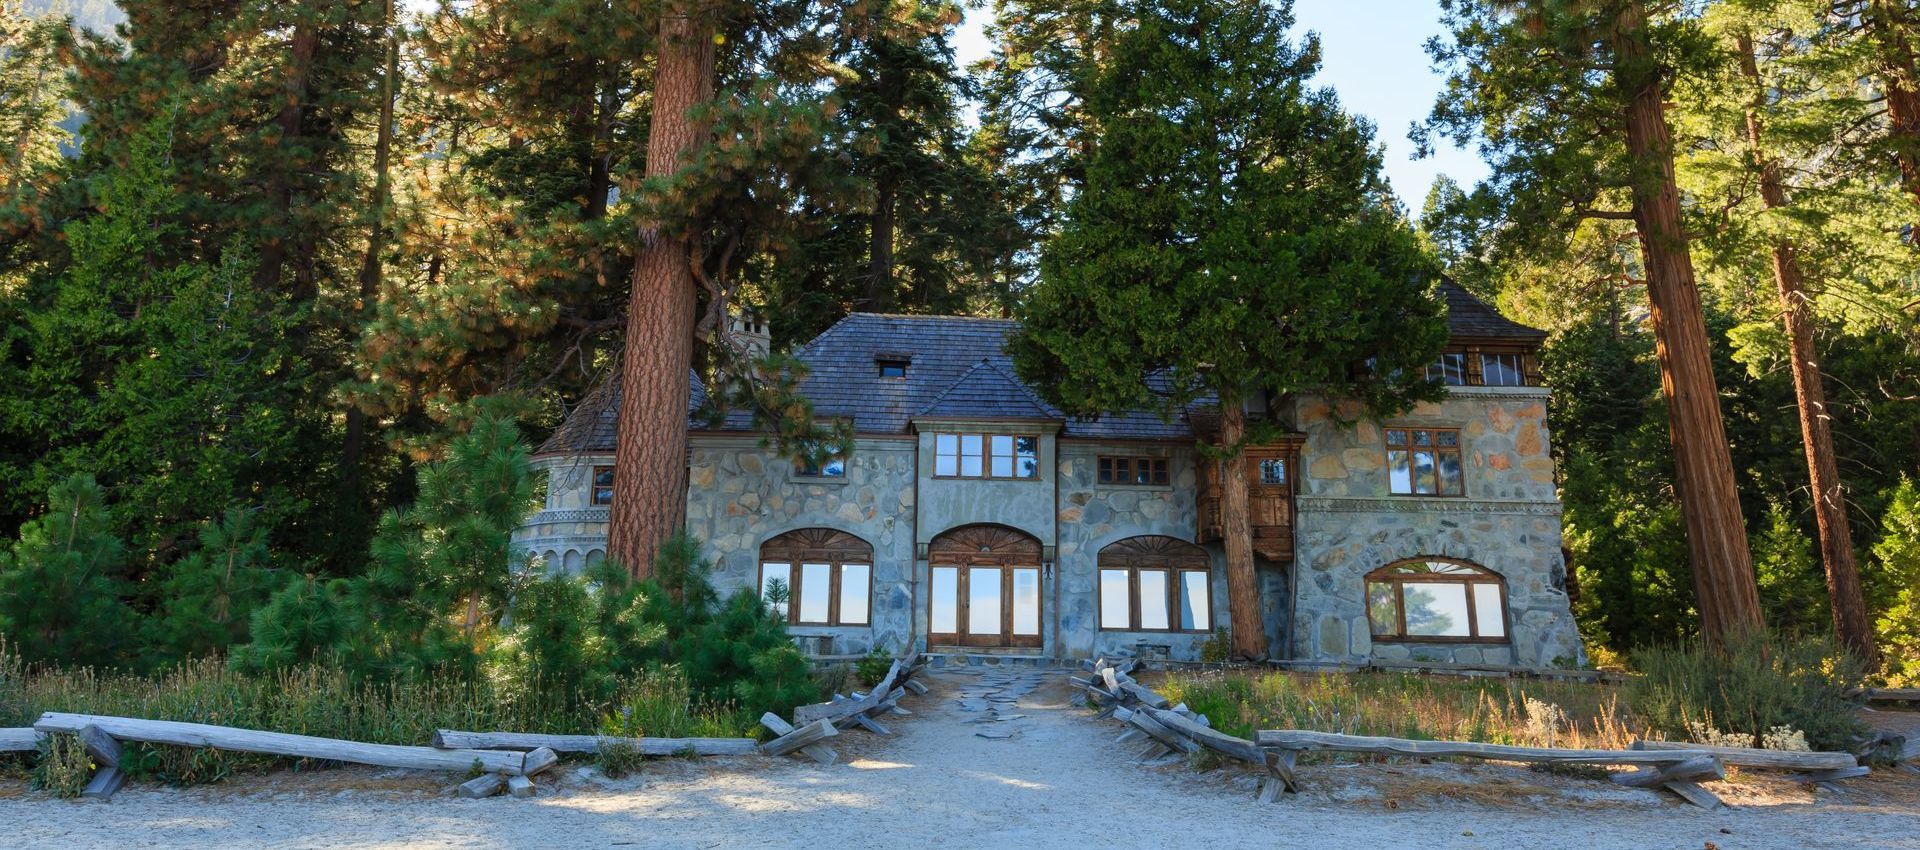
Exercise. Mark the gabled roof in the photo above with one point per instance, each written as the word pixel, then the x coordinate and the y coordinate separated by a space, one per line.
pixel 957 367
pixel 988 391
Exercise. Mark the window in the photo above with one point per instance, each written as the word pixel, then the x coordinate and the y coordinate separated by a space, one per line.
pixel 1424 462
pixel 1502 370
pixel 1155 584
pixel 891 368
pixel 818 577
pixel 832 467
pixel 985 456
pixel 1273 472
pixel 1473 366
pixel 1133 471
pixel 1435 599
pixel 1450 369
pixel 603 485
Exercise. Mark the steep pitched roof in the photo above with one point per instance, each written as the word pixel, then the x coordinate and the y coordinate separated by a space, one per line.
pixel 987 390
pixel 592 423
pixel 1470 317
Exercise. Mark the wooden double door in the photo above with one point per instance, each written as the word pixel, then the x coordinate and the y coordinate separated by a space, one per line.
pixel 984 588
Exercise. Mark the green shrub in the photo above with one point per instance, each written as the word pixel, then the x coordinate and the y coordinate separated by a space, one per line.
pixel 1219 648
pixel 873 666
pixel 63 767
pixel 1749 690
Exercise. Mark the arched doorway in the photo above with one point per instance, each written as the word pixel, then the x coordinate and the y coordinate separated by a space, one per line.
pixel 984 588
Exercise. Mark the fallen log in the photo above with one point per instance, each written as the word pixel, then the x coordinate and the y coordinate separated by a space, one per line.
pixel 519 786
pixel 285 744
pixel 835 710
pixel 1157 730
pixel 806 739
pixel 105 783
pixel 1831 775
pixel 1691 770
pixel 1696 794
pixel 19 739
pixel 659 747
pixel 1752 757
pixel 484 785
pixel 1219 742
pixel 104 748
pixel 1302 740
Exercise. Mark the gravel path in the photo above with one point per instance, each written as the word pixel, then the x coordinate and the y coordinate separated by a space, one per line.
pixel 1055 779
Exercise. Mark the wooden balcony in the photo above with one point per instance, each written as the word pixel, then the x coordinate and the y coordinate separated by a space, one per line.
pixel 1272 471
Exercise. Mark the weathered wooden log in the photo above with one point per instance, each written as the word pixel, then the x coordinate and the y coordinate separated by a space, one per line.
pixel 835 710
pixel 1300 739
pixel 1695 793
pixel 519 786
pixel 284 744
pixel 1692 770
pixel 1159 732
pixel 1220 742
pixel 806 739
pixel 916 687
pixel 657 747
pixel 1854 772
pixel 868 724
pixel 484 785
pixel 102 747
pixel 19 739
pixel 105 783
pixel 539 760
pixel 1751 757
pixel 1893 694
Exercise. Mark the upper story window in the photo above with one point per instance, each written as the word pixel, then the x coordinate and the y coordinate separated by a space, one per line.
pixel 1133 471
pixel 602 485
pixel 1436 599
pixel 985 456
pixel 1273 472
pixel 1474 366
pixel 890 367
pixel 833 467
pixel 1424 462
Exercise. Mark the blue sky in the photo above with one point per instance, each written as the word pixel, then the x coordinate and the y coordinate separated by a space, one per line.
pixel 1374 55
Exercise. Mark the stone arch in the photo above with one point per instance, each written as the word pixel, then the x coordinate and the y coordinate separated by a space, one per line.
pixel 825 576
pixel 1154 549
pixel 1437 599
pixel 985 543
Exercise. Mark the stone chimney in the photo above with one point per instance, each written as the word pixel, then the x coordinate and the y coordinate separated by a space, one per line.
pixel 750 331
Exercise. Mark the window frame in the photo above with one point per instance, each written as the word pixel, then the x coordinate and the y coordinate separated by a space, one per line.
pixel 1176 587
pixel 594 486
pixel 1410 448
pixel 1106 471
pixel 883 364
pixel 1397 582
pixel 1468 363
pixel 985 456
pixel 835 558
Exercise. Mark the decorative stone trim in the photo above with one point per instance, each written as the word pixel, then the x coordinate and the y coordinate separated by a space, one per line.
pixel 1535 393
pixel 578 515
pixel 1418 505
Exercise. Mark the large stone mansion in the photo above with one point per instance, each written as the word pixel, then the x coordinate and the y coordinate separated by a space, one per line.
pixel 971 516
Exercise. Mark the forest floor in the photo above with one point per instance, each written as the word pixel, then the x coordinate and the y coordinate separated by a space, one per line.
pixel 1051 777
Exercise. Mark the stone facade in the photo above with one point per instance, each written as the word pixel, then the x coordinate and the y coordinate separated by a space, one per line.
pixel 1508 521
pixel 569 532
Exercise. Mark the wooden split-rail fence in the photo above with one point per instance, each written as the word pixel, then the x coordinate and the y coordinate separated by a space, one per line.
pixel 1172 731
pixel 505 761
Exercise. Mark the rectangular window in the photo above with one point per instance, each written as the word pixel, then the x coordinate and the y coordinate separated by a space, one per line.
pixel 603 485
pixel 819 593
pixel 891 368
pixel 834 467
pixel 1273 472
pixel 946 595
pixel 1155 599
pixel 1450 369
pixel 1424 462
pixel 1502 370
pixel 1121 471
pixel 985 456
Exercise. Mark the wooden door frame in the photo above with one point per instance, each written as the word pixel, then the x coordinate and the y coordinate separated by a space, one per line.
pixel 986 547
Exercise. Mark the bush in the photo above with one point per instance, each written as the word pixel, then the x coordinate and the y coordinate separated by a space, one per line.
pixel 63 767
pixel 873 666
pixel 1896 559
pixel 1750 690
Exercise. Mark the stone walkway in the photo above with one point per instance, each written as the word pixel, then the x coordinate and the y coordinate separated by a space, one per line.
pixel 990 758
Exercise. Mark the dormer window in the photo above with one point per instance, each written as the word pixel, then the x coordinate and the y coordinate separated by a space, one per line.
pixel 891 367
pixel 1484 366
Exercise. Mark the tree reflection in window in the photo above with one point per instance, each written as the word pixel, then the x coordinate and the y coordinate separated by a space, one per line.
pixel 1436 599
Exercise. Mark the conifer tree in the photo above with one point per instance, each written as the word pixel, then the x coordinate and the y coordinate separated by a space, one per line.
pixel 33 84
pixel 1229 216
pixel 1568 102
pixel 207 599
pixel 62 582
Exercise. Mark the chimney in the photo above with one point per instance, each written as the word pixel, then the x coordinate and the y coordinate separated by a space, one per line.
pixel 750 331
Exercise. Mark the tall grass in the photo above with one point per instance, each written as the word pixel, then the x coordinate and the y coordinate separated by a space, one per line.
pixel 1495 711
pixel 1752 691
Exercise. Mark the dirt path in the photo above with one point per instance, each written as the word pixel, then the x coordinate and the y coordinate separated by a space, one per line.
pixel 1055 780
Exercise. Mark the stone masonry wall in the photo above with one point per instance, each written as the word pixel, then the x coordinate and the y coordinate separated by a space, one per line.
pixel 1509 522
pixel 569 532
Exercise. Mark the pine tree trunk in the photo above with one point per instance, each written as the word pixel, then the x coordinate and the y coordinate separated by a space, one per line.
pixel 1850 621
pixel 650 455
pixel 1890 24
pixel 353 445
pixel 1723 577
pixel 304 43
pixel 1236 534
pixel 880 248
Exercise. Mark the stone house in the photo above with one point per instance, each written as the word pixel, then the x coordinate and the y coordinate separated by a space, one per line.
pixel 972 517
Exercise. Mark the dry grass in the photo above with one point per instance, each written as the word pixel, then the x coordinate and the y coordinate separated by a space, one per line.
pixel 1496 711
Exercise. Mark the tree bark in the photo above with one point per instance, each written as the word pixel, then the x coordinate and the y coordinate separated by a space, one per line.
pixel 274 254
pixel 1850 621
pixel 650 455
pixel 880 247
pixel 1723 579
pixel 1890 25
pixel 1236 534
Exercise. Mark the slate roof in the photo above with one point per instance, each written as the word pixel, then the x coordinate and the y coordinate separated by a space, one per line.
pixel 957 367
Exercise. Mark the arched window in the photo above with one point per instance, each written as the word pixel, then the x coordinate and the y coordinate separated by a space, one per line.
pixel 818 577
pixel 1155 584
pixel 1437 599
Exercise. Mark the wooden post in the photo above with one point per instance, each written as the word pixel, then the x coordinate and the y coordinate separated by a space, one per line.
pixel 806 739
pixel 519 786
pixel 484 785
pixel 105 783
pixel 104 749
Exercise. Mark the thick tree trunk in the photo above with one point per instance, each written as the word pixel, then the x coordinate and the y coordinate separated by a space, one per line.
pixel 1723 578
pixel 353 445
pixel 1890 24
pixel 1236 533
pixel 1850 621
pixel 650 456
pixel 274 253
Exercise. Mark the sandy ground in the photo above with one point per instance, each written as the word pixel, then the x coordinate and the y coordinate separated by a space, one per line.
pixel 1056 780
